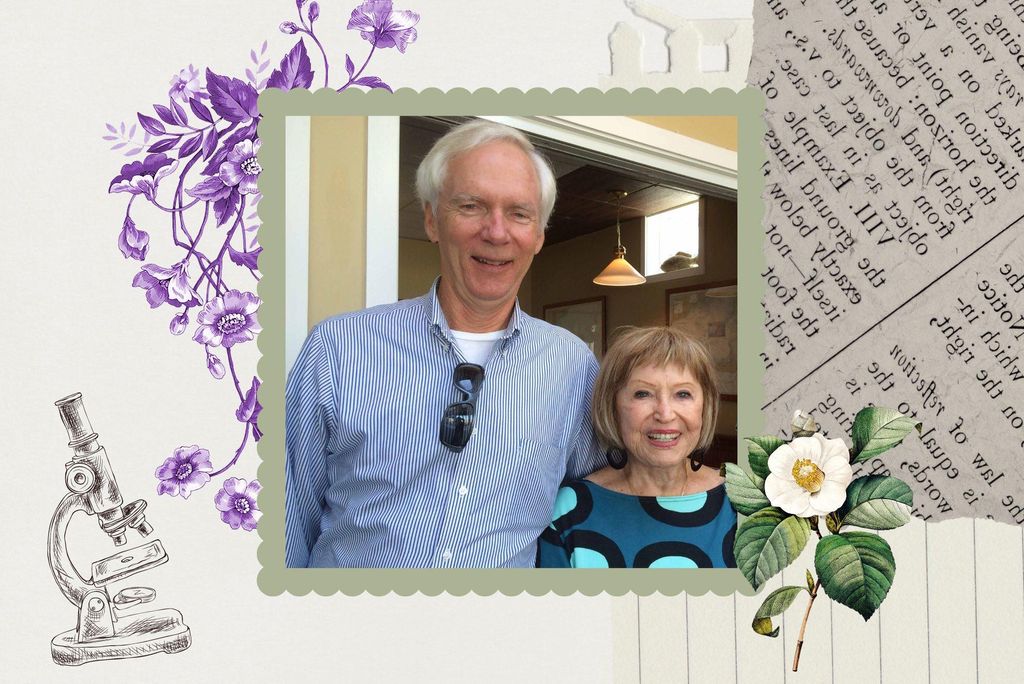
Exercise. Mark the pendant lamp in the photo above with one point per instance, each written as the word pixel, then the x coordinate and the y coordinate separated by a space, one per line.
pixel 619 272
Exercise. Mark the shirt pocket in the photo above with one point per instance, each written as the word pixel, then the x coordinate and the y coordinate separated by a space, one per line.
pixel 540 469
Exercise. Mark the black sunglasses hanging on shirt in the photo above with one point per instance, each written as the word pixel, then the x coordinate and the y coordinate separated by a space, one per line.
pixel 457 421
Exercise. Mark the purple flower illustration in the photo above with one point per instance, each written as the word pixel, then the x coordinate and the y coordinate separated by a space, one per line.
pixel 228 320
pixel 200 146
pixel 166 285
pixel 179 323
pixel 132 242
pixel 210 189
pixel 237 503
pixel 214 365
pixel 232 98
pixel 141 178
pixel 248 259
pixel 241 167
pixel 185 84
pixel 249 410
pixel 184 472
pixel 379 24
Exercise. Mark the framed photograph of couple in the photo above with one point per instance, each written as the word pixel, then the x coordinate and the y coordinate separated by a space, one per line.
pixel 336 174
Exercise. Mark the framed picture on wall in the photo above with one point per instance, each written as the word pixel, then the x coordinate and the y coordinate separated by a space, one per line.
pixel 583 318
pixel 708 312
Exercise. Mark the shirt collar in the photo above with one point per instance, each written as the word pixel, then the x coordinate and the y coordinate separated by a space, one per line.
pixel 435 315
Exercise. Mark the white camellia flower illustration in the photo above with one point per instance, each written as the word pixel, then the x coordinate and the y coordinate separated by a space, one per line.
pixel 809 475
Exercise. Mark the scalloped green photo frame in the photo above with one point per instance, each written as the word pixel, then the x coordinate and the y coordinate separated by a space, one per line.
pixel 275 105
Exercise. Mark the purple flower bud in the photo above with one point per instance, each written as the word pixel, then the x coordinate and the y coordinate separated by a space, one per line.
pixel 288 27
pixel 214 365
pixel 178 323
pixel 132 242
pixel 314 11
pixel 300 3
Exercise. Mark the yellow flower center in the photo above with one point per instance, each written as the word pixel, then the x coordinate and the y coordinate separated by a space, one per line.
pixel 808 475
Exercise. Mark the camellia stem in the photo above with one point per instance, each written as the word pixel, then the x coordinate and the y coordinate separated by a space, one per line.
pixel 803 626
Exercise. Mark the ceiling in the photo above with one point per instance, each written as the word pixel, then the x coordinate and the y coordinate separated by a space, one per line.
pixel 586 200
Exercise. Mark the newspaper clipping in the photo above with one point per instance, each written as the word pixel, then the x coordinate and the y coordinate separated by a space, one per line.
pixel 894 235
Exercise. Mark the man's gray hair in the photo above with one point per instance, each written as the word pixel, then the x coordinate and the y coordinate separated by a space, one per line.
pixel 433 170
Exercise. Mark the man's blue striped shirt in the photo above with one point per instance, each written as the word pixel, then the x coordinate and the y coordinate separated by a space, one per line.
pixel 368 482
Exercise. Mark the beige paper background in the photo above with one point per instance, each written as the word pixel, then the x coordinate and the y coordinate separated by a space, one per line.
pixel 72 323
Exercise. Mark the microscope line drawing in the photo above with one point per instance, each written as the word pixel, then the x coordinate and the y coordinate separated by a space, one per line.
pixel 107 627
pixel 702 53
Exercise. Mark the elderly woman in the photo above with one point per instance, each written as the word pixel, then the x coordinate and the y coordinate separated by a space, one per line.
pixel 656 505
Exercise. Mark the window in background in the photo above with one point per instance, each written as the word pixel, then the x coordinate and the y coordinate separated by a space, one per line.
pixel 672 242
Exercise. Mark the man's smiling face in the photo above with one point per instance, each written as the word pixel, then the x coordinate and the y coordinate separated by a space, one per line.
pixel 487 225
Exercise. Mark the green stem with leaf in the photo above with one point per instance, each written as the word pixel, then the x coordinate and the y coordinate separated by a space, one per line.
pixel 810 603
pixel 803 626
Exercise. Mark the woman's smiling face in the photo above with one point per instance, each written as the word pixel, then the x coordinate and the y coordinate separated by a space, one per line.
pixel 659 412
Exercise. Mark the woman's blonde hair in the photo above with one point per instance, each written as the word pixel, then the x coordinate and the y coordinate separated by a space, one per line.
pixel 657 346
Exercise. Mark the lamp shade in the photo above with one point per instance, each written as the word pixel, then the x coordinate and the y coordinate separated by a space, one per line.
pixel 619 273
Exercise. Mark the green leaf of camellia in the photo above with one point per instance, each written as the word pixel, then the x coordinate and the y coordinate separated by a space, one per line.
pixel 877 503
pixel 768 541
pixel 855 569
pixel 774 604
pixel 758 451
pixel 877 429
pixel 745 495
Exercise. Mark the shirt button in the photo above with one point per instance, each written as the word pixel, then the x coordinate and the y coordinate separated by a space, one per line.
pixel 447 555
pixel 463 490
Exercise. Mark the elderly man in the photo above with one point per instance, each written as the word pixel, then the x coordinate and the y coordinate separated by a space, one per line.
pixel 434 432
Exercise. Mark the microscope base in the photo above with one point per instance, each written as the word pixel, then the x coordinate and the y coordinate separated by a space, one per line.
pixel 136 635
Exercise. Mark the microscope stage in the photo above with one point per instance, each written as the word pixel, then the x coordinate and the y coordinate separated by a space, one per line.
pixel 137 635
pixel 128 562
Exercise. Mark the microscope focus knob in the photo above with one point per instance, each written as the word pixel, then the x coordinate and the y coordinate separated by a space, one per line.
pixel 79 478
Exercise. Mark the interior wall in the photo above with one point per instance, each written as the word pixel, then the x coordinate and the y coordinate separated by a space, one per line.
pixel 564 272
pixel 418 265
pixel 337 216
pixel 721 131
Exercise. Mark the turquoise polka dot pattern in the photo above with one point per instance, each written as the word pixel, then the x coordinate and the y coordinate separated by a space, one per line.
pixel 594 527
pixel 692 510
pixel 572 505
pixel 681 562
pixel 593 550
pixel 588 558
pixel 672 554
pixel 565 502
pixel 683 504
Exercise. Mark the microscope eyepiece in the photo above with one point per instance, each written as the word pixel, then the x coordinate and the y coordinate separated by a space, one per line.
pixel 80 434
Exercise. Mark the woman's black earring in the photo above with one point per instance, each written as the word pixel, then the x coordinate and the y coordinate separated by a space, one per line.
pixel 616 458
pixel 697 459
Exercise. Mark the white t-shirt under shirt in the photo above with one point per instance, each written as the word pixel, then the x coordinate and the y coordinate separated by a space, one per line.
pixel 477 347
